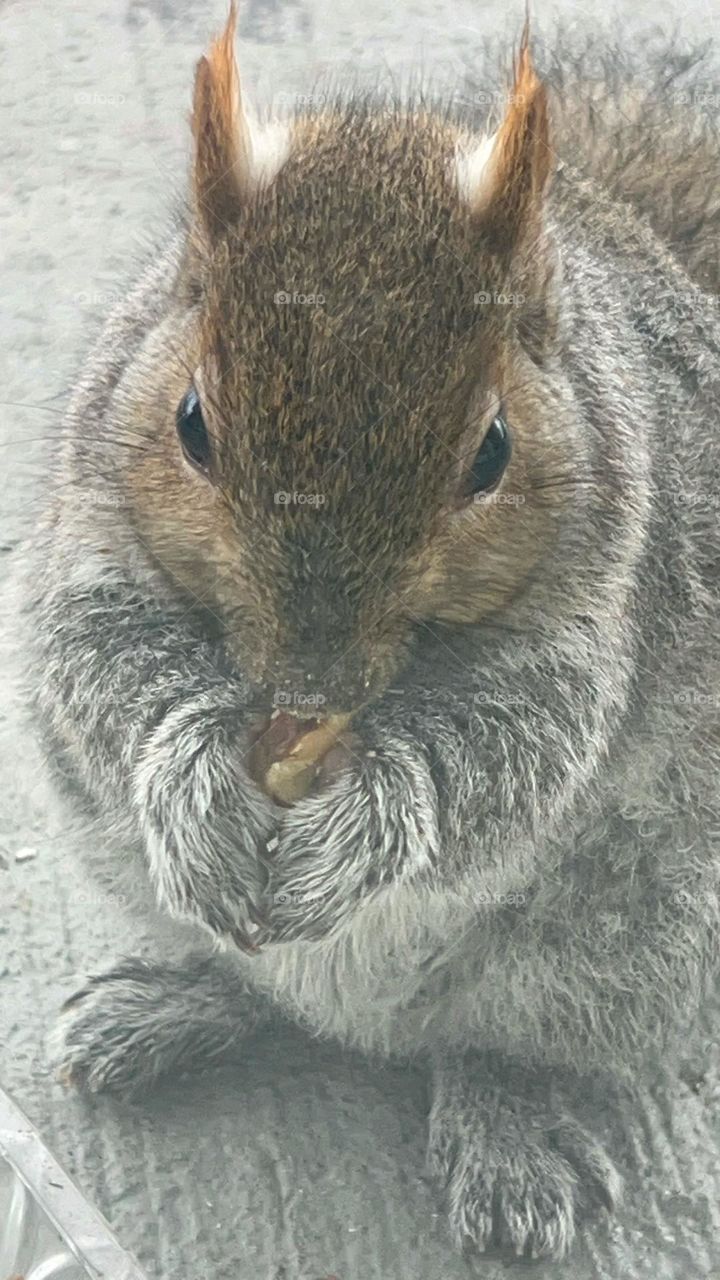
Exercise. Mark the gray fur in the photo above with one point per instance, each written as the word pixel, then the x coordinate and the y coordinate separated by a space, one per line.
pixel 140 1021
pixel 525 862
pixel 517 1167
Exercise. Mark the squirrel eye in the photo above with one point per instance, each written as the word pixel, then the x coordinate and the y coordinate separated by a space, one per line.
pixel 192 430
pixel 490 460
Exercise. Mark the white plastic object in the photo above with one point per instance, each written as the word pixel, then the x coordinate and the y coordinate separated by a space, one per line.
pixel 48 1230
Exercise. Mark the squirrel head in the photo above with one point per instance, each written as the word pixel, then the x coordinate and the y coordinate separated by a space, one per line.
pixel 351 408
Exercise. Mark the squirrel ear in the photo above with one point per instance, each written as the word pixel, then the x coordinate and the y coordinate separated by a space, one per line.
pixel 506 177
pixel 223 156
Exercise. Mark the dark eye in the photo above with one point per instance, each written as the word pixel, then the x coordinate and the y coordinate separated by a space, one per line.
pixel 192 430
pixel 491 459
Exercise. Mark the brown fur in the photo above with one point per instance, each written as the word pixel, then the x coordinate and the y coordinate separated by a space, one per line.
pixel 398 372
pixel 222 145
pixel 522 157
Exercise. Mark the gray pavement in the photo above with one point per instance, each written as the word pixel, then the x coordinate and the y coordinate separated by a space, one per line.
pixel 300 1162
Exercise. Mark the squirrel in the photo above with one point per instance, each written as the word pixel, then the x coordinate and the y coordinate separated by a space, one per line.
pixel 408 440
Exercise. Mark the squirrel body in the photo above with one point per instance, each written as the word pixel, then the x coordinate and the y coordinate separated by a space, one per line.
pixel 516 861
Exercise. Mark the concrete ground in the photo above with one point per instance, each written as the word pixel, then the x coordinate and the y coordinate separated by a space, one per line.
pixel 300 1163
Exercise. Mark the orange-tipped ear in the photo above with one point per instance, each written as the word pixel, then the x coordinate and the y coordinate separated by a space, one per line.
pixel 512 169
pixel 222 139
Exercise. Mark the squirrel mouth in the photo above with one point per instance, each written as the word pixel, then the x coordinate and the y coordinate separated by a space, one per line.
pixel 288 749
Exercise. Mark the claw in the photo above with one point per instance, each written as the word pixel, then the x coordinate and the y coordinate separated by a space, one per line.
pixel 244 942
pixel 258 917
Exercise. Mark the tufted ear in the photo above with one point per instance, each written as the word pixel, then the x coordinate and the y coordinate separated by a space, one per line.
pixel 506 177
pixel 223 155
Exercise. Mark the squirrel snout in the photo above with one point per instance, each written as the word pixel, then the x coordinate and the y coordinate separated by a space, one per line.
pixel 320 690
pixel 310 697
pixel 322 675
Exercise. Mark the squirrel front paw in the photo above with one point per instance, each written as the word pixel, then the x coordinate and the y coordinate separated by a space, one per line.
pixel 205 823
pixel 371 823
pixel 518 1174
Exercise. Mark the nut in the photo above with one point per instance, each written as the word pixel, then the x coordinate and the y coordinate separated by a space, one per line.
pixel 287 753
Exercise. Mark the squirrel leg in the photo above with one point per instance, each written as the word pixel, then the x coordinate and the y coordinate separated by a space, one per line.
pixel 144 1020
pixel 518 1170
